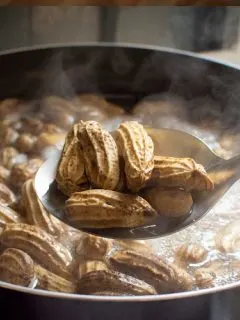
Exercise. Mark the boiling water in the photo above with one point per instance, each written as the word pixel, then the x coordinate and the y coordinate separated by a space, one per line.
pixel 219 231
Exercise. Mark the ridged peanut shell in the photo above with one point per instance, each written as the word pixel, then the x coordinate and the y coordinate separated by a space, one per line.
pixel 134 245
pixel 35 212
pixel 104 279
pixel 165 278
pixel 7 197
pixel 227 239
pixel 23 171
pixel 8 215
pixel 180 172
pixel 204 278
pixel 100 153
pixel 108 209
pixel 70 172
pixel 47 280
pixel 90 266
pixel 137 149
pixel 16 267
pixel 42 247
pixel 190 253
pixel 94 248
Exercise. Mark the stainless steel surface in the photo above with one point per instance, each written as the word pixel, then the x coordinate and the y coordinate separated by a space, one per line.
pixel 166 142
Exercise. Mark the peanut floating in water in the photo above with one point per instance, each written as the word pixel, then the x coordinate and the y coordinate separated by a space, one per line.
pixel 16 267
pixel 23 171
pixel 41 246
pixel 227 239
pixel 7 197
pixel 96 276
pixel 191 253
pixel 165 278
pixel 36 214
pixel 52 282
pixel 8 215
pixel 204 278
pixel 94 248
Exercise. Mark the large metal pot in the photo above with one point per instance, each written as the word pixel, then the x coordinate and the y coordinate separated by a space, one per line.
pixel 124 74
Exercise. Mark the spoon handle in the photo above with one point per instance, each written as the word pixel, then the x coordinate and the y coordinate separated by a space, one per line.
pixel 226 172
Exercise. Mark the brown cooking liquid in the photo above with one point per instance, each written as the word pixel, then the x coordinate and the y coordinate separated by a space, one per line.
pixel 218 232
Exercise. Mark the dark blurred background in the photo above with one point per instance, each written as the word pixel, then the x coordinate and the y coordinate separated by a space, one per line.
pixel 188 28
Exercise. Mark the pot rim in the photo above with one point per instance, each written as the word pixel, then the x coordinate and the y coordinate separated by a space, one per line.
pixel 146 298
pixel 118 45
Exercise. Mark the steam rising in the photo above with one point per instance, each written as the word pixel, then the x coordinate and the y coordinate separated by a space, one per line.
pixel 56 79
pixel 64 77
pixel 172 90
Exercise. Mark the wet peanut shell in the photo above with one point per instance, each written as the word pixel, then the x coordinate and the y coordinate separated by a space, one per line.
pixel 70 175
pixel 47 280
pixel 180 172
pixel 7 197
pixel 165 278
pixel 169 202
pixel 107 209
pixel 41 246
pixel 100 153
pixel 16 267
pixel 137 149
pixel 36 214
pixel 114 282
